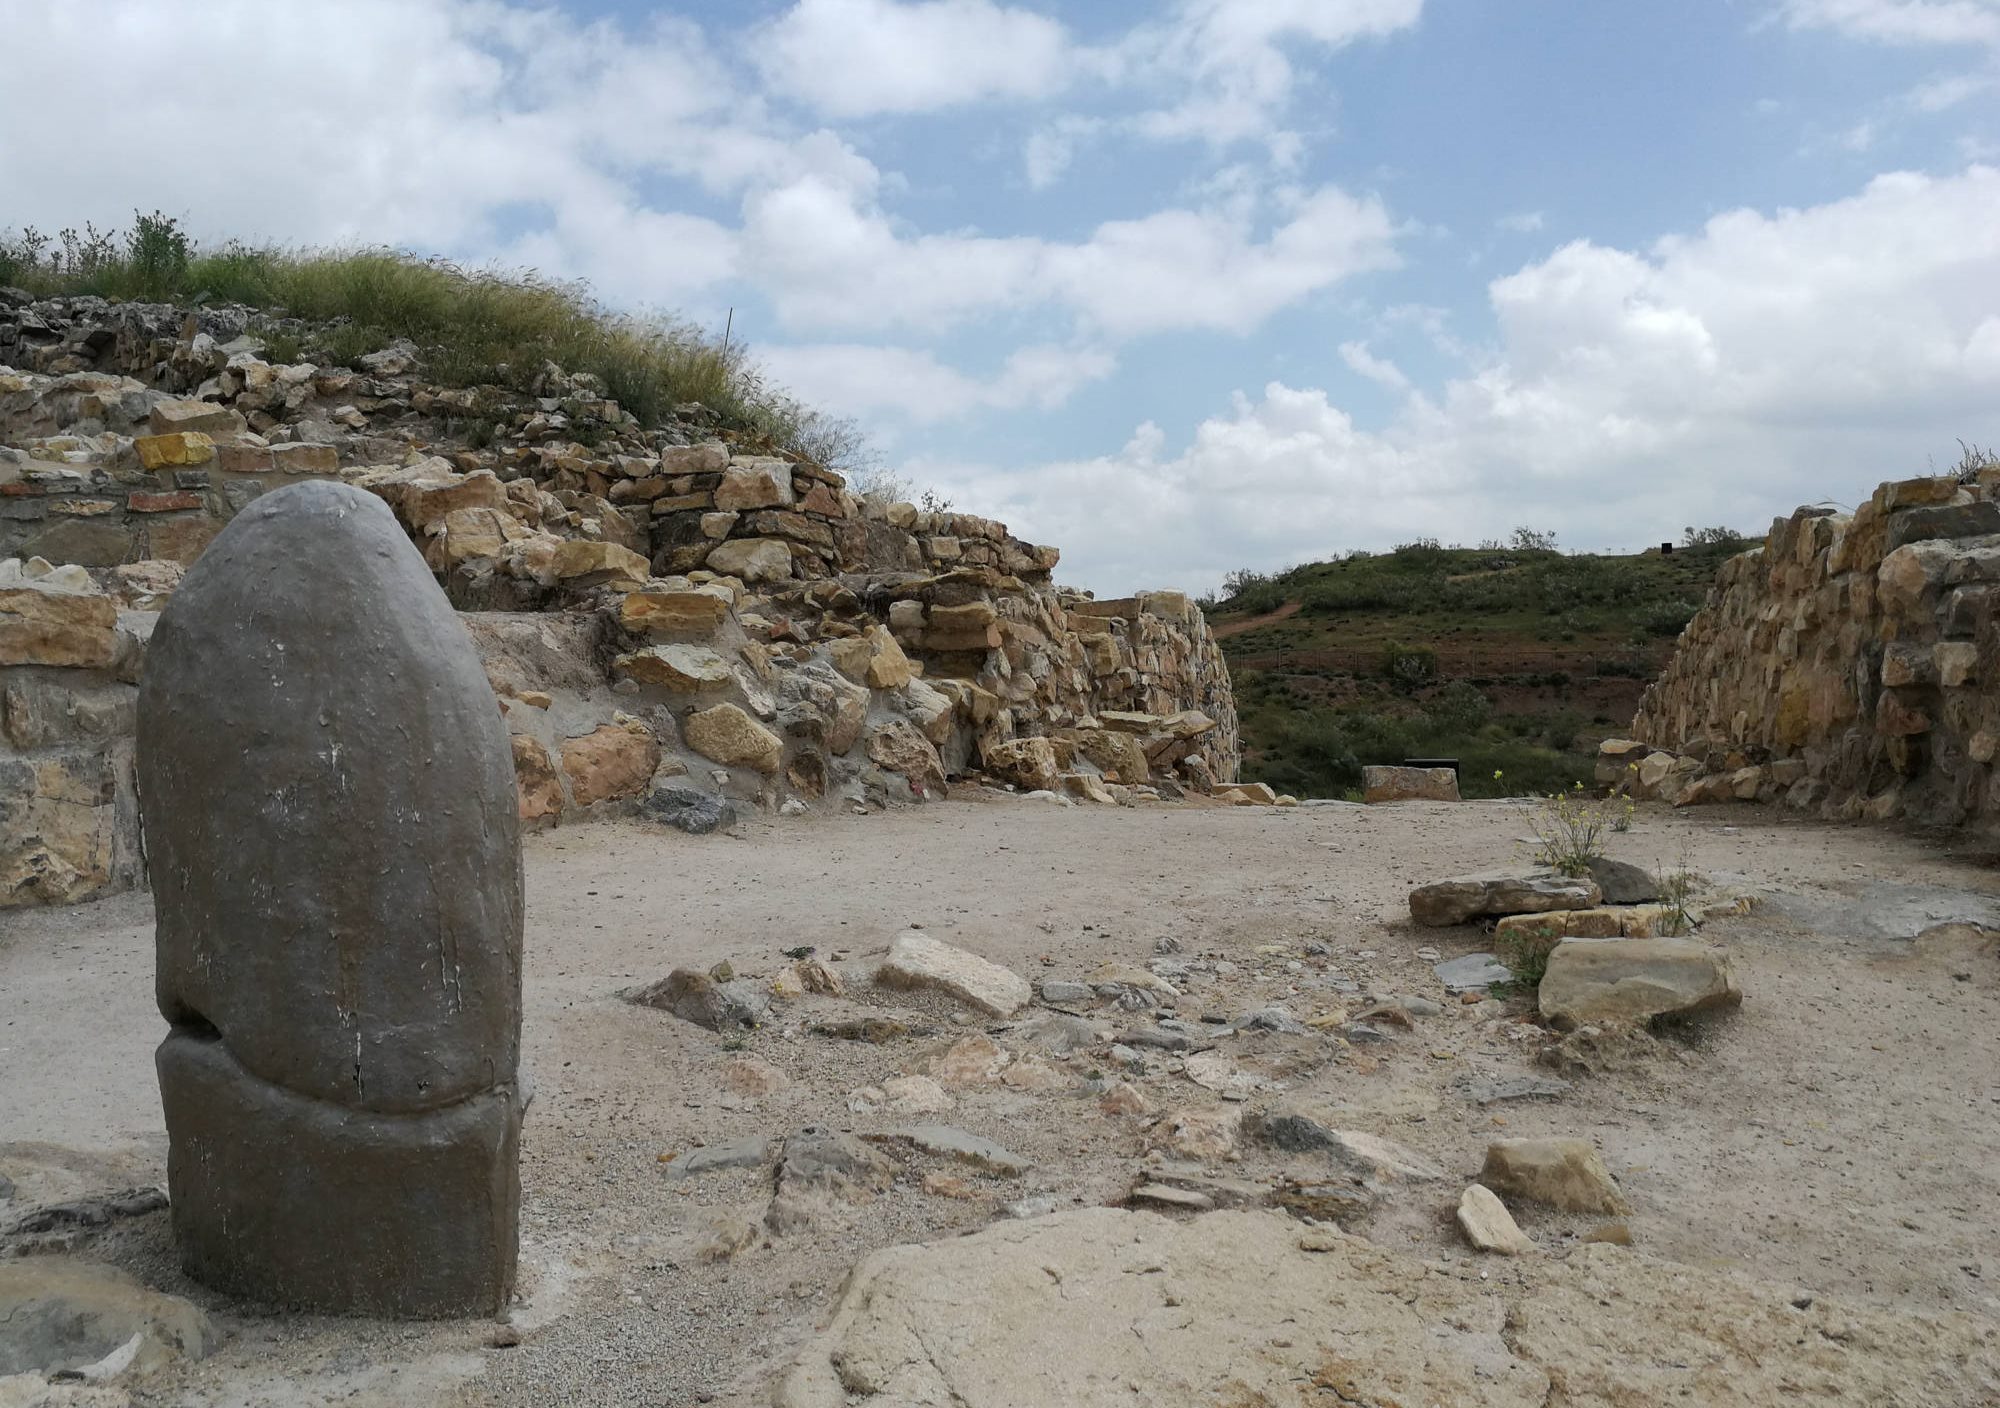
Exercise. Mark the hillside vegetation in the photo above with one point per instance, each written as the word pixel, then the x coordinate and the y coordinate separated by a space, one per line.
pixel 1515 659
pixel 473 326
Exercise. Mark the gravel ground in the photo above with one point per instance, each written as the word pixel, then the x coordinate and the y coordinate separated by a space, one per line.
pixel 1842 1132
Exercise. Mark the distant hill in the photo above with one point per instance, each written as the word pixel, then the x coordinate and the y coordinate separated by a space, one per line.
pixel 1513 659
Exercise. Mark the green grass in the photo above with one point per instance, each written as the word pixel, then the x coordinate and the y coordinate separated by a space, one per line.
pixel 1514 660
pixel 474 326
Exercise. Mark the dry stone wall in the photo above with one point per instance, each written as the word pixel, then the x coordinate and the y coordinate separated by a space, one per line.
pixel 660 611
pixel 1847 667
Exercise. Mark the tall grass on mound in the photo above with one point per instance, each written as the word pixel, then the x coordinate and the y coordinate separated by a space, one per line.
pixel 472 325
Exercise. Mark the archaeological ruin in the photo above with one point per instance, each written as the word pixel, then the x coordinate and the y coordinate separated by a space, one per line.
pixel 918 1003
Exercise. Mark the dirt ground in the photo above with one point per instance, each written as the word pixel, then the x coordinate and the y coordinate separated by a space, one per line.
pixel 1840 1133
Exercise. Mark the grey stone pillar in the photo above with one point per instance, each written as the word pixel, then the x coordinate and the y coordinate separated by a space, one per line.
pixel 329 815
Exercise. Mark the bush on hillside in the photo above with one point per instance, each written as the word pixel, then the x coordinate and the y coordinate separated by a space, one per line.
pixel 472 325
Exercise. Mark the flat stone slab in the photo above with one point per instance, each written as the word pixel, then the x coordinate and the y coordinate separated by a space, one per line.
pixel 743 1153
pixel 1473 972
pixel 1468 897
pixel 1100 1306
pixel 946 1142
pixel 916 960
pixel 1490 1090
pixel 62 1316
pixel 1635 980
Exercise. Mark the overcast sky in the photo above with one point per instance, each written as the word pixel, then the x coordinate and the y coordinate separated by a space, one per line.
pixel 1180 287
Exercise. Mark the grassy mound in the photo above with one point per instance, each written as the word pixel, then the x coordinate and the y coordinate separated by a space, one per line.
pixel 474 325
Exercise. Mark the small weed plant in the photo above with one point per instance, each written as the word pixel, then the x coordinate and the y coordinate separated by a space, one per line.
pixel 1570 828
pixel 1676 887
pixel 1525 953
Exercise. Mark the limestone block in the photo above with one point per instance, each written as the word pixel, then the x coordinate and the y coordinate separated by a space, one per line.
pixel 614 761
pixel 755 483
pixel 727 735
pixel 581 563
pixel 171 417
pixel 178 450
pixel 899 747
pixel 1566 1174
pixel 683 669
pixel 1469 897
pixel 1396 784
pixel 538 786
pixel 1028 763
pixel 697 613
pixel 752 559
pixel 45 622
pixel 1120 756
pixel 918 961
pixel 1635 980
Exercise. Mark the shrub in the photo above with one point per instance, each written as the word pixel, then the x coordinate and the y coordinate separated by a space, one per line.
pixel 1972 459
pixel 1669 618
pixel 1409 667
pixel 1458 708
pixel 1533 540
pixel 1711 537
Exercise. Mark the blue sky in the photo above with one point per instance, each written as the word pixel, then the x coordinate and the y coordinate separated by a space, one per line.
pixel 1180 287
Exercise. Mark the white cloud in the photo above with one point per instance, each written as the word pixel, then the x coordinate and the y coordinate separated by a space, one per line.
pixel 1728 375
pixel 1526 222
pixel 863 378
pixel 855 58
pixel 829 261
pixel 1050 149
pixel 1364 363
pixel 1230 67
pixel 1901 21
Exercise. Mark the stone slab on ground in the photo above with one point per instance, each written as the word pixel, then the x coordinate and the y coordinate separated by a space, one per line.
pixel 1472 972
pixel 1487 1224
pixel 1635 980
pixel 1467 897
pixel 58 1315
pixel 916 960
pixel 1566 1174
pixel 1102 1307
pixel 945 1142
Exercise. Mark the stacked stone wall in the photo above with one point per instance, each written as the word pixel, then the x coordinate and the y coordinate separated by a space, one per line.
pixel 655 607
pixel 1848 666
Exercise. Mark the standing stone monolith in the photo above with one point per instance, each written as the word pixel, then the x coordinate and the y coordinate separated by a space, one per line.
pixel 330 822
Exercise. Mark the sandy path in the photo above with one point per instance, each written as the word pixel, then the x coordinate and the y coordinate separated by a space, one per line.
pixel 1842 1132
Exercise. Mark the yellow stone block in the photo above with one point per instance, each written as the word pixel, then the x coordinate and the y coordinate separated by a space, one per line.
pixel 177 450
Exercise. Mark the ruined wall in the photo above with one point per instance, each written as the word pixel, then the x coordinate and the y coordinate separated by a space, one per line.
pixel 656 607
pixel 1848 666
pixel 69 673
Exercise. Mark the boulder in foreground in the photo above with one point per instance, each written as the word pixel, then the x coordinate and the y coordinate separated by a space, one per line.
pixel 1467 897
pixel 1635 980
